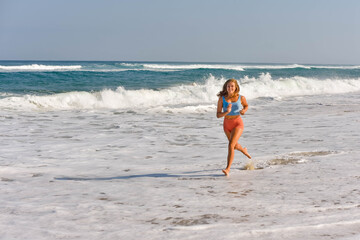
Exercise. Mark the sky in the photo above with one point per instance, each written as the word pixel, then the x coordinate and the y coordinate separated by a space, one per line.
pixel 243 31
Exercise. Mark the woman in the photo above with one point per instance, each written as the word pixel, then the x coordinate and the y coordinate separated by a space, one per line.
pixel 230 105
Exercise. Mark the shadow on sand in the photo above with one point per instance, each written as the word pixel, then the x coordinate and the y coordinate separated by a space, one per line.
pixel 185 175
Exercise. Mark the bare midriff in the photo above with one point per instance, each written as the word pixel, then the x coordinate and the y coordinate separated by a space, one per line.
pixel 232 116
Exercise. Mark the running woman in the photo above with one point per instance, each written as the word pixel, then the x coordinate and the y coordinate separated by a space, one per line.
pixel 230 106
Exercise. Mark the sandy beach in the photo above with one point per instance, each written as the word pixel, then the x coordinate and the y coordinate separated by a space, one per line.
pixel 84 176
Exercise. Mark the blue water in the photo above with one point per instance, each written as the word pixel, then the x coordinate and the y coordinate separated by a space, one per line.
pixel 31 78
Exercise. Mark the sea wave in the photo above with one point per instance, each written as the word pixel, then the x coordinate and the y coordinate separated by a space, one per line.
pixel 164 67
pixel 266 86
pixel 335 67
pixel 291 66
pixel 192 66
pixel 276 66
pixel 235 67
pixel 40 67
pixel 192 97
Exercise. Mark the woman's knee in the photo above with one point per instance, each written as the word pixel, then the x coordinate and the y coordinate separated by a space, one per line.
pixel 232 145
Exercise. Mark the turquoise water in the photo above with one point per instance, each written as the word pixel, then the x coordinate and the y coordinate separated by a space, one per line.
pixel 39 77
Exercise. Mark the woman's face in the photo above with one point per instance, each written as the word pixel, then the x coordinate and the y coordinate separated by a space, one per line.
pixel 230 87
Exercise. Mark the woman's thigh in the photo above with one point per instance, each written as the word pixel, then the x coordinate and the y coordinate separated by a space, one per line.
pixel 235 135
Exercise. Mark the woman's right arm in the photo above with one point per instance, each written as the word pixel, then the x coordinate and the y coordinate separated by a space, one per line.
pixel 219 112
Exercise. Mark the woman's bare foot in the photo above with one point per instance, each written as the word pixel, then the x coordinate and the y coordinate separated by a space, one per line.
pixel 226 172
pixel 245 152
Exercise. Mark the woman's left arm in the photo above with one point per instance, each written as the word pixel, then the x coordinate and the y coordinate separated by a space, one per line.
pixel 244 104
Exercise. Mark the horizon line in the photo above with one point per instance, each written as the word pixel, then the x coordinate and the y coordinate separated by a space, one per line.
pixel 164 61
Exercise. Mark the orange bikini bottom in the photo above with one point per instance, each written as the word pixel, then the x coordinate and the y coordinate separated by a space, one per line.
pixel 230 124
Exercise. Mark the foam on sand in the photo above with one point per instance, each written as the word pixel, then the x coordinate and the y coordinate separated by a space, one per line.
pixel 249 166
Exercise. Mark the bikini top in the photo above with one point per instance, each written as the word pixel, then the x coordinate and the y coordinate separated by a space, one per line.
pixel 235 106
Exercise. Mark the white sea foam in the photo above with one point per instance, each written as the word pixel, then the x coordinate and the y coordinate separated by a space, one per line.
pixel 197 97
pixel 266 86
pixel 287 66
pixel 40 67
pixel 236 67
pixel 336 67
pixel 160 67
pixel 290 66
pixel 124 175
pixel 193 66
pixel 130 64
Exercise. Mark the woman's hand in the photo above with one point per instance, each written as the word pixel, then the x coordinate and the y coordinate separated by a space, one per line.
pixel 228 109
pixel 244 104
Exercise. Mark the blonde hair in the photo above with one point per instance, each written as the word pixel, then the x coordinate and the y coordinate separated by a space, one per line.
pixel 224 92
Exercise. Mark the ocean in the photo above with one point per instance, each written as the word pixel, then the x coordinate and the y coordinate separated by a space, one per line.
pixel 115 150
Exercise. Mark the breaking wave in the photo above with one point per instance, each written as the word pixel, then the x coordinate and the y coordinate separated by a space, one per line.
pixel 39 67
pixel 192 97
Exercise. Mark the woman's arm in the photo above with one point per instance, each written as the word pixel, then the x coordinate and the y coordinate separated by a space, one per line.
pixel 219 112
pixel 244 104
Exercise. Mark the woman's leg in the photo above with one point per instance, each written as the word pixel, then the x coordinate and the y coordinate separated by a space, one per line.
pixel 238 146
pixel 233 139
pixel 233 144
